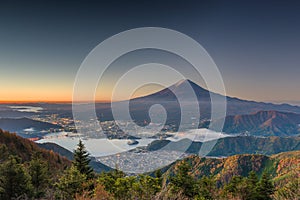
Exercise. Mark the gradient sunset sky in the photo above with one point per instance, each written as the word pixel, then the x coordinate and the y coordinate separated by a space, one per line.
pixel 255 44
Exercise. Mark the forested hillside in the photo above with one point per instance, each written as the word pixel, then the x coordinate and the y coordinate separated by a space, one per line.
pixel 29 172
pixel 11 144
pixel 234 145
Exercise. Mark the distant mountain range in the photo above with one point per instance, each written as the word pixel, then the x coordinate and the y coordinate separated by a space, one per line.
pixel 264 123
pixel 23 125
pixel 235 106
pixel 243 116
pixel 229 146
pixel 139 107
pixel 7 112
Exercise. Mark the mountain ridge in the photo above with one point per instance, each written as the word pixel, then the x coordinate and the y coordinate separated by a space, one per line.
pixel 182 85
pixel 281 167
pixel 139 107
pixel 19 124
pixel 264 123
pixel 12 144
pixel 229 146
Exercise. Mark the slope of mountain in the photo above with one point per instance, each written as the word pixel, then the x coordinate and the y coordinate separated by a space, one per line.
pixel 235 105
pixel 11 144
pixel 97 166
pixel 255 145
pixel 20 125
pixel 139 107
pixel 280 166
pixel 235 145
pixel 57 149
pixel 264 123
pixel 181 88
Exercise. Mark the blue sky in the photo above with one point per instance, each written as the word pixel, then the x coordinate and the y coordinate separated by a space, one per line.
pixel 255 44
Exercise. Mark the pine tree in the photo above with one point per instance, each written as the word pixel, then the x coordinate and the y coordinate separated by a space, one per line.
pixel 158 173
pixel 81 161
pixel 265 188
pixel 244 188
pixel 183 182
pixel 71 183
pixel 147 186
pixel 252 182
pixel 3 152
pixel 14 180
pixel 124 188
pixel 207 188
pixel 233 188
pixel 252 179
pixel 38 171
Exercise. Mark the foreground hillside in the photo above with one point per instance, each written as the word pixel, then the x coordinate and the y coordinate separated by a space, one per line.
pixel 29 172
pixel 281 167
pixel 26 170
pixel 11 144
pixel 237 177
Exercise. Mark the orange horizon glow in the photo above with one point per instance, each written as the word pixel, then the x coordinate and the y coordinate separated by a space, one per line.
pixel 57 101
pixel 46 101
pixel 106 99
pixel 63 93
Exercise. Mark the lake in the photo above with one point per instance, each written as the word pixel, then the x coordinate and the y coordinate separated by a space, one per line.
pixel 104 147
pixel 97 147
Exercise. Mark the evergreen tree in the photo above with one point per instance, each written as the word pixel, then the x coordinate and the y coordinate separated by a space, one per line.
pixel 244 188
pixel 234 187
pixel 124 188
pixel 108 179
pixel 252 179
pixel 147 187
pixel 71 183
pixel 14 180
pixel 231 187
pixel 183 182
pixel 81 161
pixel 206 188
pixel 252 183
pixel 265 188
pixel 3 152
pixel 38 171
pixel 158 174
